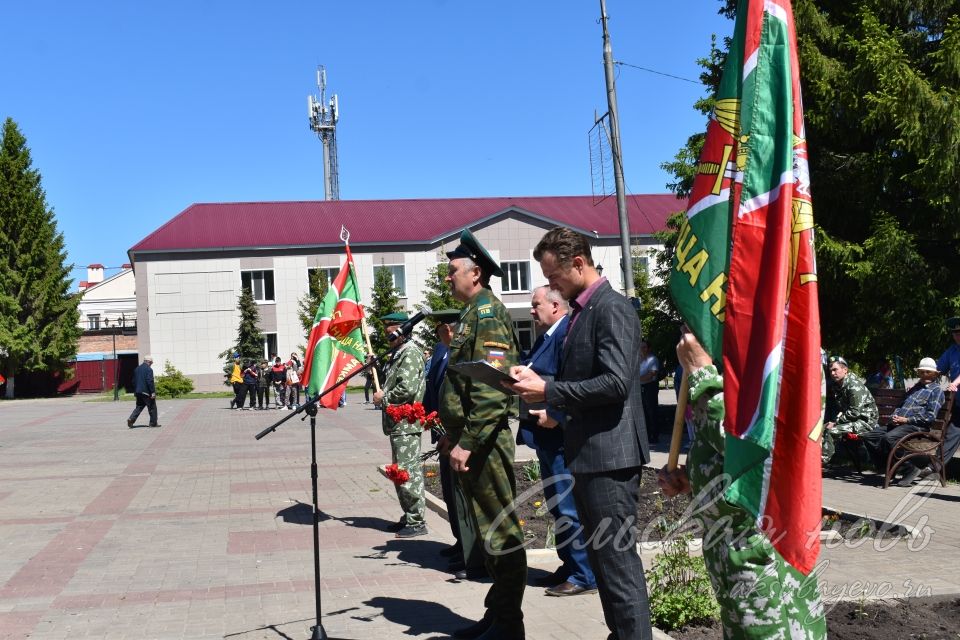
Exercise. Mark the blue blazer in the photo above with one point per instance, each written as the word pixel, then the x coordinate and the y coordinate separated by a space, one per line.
pixel 143 380
pixel 544 359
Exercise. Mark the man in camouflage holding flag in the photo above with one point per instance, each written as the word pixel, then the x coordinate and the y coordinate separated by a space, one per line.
pixel 856 409
pixel 481 445
pixel 404 384
pixel 760 595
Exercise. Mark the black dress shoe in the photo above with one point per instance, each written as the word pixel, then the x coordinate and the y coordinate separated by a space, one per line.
pixel 473 573
pixel 456 566
pixel 557 577
pixel 503 631
pixel 156 425
pixel 475 630
pixel 569 589
pixel 129 423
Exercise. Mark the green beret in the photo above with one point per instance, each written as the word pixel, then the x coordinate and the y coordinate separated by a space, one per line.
pixel 398 317
pixel 446 316
pixel 953 324
pixel 471 248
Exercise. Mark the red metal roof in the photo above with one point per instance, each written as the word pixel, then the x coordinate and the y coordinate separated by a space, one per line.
pixel 212 226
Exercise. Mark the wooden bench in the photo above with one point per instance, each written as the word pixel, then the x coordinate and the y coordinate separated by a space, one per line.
pixel 927 444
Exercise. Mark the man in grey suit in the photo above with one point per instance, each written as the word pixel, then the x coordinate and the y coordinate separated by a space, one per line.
pixel 605 436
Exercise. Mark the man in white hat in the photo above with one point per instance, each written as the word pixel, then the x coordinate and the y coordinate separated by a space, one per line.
pixel 145 391
pixel 916 413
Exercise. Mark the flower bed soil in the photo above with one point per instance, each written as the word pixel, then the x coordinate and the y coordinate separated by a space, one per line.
pixel 931 618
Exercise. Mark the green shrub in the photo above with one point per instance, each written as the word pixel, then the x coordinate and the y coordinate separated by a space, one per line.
pixel 172 384
pixel 679 588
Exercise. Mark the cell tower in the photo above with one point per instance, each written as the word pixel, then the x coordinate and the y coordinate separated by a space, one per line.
pixel 323 121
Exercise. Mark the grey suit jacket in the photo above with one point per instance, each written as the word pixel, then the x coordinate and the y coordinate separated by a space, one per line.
pixel 598 387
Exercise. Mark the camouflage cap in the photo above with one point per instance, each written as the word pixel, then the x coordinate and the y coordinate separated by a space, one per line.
pixel 471 248
pixel 397 316
pixel 953 324
pixel 446 316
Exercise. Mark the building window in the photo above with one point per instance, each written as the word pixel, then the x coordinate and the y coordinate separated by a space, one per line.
pixel 524 329
pixel 260 283
pixel 269 346
pixel 516 276
pixel 93 321
pixel 329 272
pixel 398 275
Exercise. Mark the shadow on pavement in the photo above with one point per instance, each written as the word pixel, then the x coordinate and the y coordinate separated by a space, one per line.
pixel 417 553
pixel 419 616
pixel 300 513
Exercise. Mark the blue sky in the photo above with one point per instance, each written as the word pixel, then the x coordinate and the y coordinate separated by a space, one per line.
pixel 133 110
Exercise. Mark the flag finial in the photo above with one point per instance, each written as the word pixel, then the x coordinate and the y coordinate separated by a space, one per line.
pixel 344 234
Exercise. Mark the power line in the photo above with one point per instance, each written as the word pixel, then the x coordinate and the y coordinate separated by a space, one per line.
pixel 659 73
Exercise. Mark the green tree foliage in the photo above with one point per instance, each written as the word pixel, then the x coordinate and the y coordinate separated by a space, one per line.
pixel 249 342
pixel 658 318
pixel 437 295
pixel 310 302
pixel 38 313
pixel 172 384
pixel 384 301
pixel 881 91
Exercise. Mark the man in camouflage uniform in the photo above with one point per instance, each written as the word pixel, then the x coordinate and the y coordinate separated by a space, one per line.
pixel 481 446
pixel 404 384
pixel 856 409
pixel 760 595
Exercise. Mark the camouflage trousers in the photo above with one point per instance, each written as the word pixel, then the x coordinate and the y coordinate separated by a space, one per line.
pixel 489 489
pixel 405 450
pixel 832 436
pixel 761 596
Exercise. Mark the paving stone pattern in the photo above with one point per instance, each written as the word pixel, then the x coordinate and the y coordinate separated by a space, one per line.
pixel 196 530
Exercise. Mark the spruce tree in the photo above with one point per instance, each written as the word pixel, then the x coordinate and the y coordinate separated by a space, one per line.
pixel 384 301
pixel 438 297
pixel 38 314
pixel 249 344
pixel 310 302
pixel 881 89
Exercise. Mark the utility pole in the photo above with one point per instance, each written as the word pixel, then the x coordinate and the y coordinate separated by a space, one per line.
pixel 626 262
pixel 323 122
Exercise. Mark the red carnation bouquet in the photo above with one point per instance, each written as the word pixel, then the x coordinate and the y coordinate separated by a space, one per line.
pixel 415 412
pixel 396 475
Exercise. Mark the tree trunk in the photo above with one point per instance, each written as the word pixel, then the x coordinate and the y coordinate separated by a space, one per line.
pixel 9 393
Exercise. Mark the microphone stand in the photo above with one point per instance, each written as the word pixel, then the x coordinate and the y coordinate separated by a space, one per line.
pixel 310 409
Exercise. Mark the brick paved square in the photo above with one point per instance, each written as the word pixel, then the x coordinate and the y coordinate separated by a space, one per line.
pixel 196 530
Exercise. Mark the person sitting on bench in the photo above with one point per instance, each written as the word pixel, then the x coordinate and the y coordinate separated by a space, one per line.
pixel 917 412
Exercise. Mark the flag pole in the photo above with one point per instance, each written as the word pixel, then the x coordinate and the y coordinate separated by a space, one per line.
pixel 679 422
pixel 345 236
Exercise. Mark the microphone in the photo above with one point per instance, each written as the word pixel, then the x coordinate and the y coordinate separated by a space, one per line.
pixel 408 326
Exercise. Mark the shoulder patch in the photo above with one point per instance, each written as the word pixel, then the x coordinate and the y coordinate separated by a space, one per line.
pixel 498 345
pixel 485 311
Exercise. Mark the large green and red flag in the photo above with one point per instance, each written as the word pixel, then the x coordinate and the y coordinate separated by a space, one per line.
pixel 744 279
pixel 335 347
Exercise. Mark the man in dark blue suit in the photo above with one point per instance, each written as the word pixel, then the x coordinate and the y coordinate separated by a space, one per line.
pixel 549 311
pixel 145 391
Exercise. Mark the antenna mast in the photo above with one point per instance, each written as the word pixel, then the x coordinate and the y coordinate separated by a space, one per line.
pixel 323 122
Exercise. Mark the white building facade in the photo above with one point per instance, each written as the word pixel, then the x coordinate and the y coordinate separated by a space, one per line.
pixel 187 293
